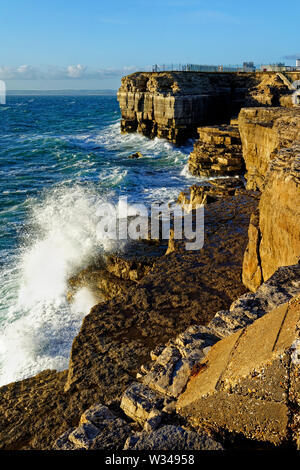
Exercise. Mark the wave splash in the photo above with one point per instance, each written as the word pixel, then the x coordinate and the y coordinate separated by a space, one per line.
pixel 38 325
pixel 41 325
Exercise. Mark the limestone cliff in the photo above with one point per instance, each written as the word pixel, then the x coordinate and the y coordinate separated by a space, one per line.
pixel 263 132
pixel 237 382
pixel 274 231
pixel 173 104
pixel 217 152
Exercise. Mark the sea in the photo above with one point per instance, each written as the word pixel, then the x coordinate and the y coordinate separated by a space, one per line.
pixel 59 157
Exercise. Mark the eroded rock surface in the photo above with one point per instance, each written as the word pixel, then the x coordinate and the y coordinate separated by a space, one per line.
pixel 173 105
pixel 264 131
pixel 217 152
pixel 274 231
pixel 244 384
pixel 210 191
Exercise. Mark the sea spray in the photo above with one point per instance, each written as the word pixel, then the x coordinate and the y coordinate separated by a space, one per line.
pixel 59 157
pixel 42 325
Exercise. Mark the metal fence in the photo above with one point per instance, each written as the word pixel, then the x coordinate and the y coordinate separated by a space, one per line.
pixel 195 68
pixel 246 67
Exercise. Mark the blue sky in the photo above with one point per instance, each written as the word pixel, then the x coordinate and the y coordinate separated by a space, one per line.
pixel 90 44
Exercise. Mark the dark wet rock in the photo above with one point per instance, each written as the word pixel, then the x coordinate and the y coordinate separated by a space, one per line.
pixel 136 155
pixel 171 437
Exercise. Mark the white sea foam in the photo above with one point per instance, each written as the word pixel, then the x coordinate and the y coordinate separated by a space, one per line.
pixel 110 138
pixel 40 324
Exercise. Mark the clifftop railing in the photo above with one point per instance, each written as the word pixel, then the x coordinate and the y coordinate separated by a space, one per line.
pixel 195 68
pixel 246 67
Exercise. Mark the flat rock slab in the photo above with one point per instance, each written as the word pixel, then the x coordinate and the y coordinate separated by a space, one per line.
pixel 244 382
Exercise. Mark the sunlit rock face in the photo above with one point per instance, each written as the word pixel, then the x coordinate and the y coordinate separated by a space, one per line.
pixel 172 105
pixel 271 149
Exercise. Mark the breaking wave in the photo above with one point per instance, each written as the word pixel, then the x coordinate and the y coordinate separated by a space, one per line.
pixel 57 168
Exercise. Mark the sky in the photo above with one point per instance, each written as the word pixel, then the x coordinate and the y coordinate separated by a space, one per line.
pixel 91 44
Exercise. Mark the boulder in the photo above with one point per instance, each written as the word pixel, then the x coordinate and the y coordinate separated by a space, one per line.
pixel 99 428
pixel 210 191
pixel 171 437
pixel 136 155
pixel 172 105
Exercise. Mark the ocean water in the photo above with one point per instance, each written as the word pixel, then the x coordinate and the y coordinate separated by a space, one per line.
pixel 60 156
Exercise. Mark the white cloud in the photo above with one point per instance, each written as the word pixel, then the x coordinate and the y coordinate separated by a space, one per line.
pixel 71 72
pixel 76 71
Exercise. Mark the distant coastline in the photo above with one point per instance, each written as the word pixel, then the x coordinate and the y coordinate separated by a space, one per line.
pixel 61 92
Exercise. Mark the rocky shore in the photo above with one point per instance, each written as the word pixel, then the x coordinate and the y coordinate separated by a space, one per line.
pixel 178 354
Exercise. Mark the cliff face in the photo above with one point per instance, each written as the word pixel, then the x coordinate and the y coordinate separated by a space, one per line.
pixel 274 231
pixel 263 132
pixel 173 104
pixel 218 152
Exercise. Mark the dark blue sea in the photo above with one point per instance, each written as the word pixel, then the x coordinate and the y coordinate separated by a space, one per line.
pixel 60 156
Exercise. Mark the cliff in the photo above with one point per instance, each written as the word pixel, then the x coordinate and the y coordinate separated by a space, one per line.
pixel 271 149
pixel 173 105
pixel 217 152
pixel 263 132
pixel 179 355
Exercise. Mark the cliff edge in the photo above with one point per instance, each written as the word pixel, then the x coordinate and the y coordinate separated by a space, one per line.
pixel 173 105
